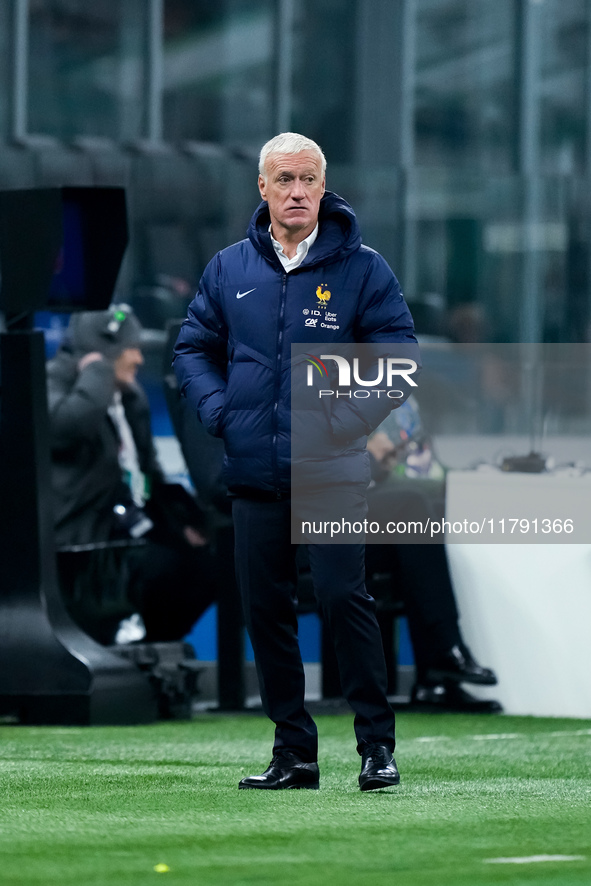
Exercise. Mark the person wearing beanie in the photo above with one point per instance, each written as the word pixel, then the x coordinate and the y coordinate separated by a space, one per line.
pixel 107 482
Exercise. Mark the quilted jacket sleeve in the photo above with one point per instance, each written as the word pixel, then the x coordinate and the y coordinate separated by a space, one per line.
pixel 200 354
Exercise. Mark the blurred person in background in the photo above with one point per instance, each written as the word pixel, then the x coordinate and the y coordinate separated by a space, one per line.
pixel 408 485
pixel 109 487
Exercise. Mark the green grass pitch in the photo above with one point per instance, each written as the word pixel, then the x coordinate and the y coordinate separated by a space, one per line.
pixel 89 806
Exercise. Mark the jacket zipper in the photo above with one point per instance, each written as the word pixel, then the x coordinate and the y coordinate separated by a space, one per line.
pixel 275 422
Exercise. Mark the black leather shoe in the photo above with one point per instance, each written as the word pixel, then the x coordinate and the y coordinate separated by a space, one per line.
pixel 286 770
pixel 458 665
pixel 451 697
pixel 378 768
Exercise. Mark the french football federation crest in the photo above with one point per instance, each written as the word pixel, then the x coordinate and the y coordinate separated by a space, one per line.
pixel 323 297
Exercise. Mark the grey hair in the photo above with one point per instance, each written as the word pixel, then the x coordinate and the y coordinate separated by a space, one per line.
pixel 289 143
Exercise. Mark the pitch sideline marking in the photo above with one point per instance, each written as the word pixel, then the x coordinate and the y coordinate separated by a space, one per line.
pixel 491 736
pixel 496 736
pixel 571 732
pixel 433 738
pixel 531 859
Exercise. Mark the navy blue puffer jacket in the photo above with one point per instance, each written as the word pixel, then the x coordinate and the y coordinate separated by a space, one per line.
pixel 233 353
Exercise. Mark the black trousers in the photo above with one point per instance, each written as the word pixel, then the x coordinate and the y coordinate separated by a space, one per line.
pixel 171 586
pixel 421 578
pixel 420 571
pixel 267 577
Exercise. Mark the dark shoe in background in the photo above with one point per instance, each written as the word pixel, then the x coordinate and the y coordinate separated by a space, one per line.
pixel 378 768
pixel 286 770
pixel 458 665
pixel 452 698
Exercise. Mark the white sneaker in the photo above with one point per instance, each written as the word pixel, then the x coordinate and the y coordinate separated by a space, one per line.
pixel 130 630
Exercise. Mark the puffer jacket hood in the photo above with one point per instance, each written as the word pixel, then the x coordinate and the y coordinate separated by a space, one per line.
pixel 340 231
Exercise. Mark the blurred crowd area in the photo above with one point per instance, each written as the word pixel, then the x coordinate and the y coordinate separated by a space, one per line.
pixel 460 130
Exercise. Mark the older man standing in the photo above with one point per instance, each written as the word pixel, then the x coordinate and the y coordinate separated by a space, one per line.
pixel 232 360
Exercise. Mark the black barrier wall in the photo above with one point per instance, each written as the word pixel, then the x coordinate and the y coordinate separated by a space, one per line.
pixel 50 671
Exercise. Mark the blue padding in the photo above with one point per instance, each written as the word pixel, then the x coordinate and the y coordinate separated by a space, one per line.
pixel 203 637
pixel 405 653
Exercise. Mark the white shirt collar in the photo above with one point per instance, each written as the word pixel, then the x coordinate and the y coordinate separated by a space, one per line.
pixel 301 252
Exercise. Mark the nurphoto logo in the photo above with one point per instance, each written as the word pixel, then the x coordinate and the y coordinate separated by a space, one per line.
pixel 387 370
